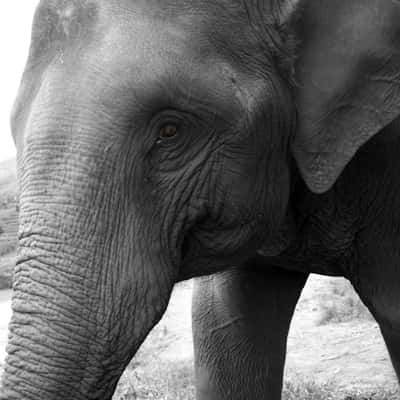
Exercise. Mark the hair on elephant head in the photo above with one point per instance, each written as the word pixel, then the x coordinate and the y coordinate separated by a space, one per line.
pixel 155 142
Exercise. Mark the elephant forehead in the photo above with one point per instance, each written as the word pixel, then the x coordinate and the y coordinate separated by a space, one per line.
pixel 65 18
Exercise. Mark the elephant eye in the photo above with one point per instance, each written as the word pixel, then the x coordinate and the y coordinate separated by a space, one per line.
pixel 168 131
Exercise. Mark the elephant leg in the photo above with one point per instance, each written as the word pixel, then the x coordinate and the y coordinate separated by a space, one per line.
pixel 241 319
pixel 382 298
pixel 392 340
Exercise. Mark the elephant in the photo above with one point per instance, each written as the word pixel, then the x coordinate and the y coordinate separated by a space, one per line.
pixel 245 143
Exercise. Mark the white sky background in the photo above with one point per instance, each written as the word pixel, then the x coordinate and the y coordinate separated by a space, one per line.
pixel 15 29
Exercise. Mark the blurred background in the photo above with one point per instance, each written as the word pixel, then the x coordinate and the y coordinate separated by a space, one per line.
pixel 335 350
pixel 15 29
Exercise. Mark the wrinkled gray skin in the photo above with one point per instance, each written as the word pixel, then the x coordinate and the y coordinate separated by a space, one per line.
pixel 159 140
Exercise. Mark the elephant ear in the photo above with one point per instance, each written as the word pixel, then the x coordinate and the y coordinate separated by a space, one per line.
pixel 347 78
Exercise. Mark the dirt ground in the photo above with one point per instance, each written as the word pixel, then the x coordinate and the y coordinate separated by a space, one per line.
pixel 352 355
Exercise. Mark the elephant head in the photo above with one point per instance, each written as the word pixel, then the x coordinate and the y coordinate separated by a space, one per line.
pixel 155 143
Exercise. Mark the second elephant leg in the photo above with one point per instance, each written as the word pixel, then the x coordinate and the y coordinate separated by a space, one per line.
pixel 241 320
pixel 392 340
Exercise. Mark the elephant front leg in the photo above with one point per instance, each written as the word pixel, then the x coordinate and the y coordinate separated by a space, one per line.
pixel 241 320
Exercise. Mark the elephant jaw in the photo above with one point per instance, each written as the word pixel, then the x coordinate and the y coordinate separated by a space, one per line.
pixel 205 251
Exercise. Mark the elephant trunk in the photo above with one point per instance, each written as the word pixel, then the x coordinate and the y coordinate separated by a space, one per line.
pixel 89 282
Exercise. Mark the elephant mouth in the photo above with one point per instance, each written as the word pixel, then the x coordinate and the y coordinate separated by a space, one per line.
pixel 206 251
pixel 207 248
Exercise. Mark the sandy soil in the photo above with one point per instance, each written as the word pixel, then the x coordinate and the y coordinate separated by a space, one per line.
pixel 350 355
